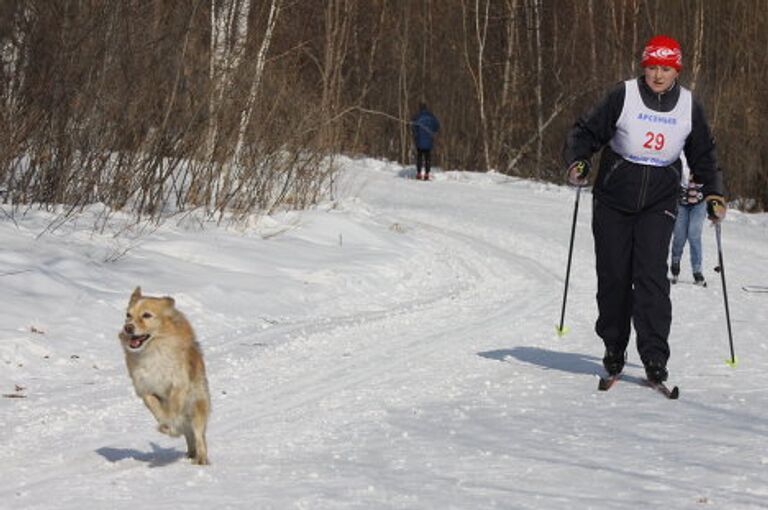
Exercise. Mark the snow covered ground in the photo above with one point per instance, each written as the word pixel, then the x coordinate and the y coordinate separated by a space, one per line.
pixel 395 348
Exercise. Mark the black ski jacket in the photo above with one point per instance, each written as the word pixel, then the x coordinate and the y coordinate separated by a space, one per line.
pixel 633 187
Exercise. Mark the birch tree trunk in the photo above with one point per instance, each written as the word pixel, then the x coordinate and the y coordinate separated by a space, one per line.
pixel 261 59
pixel 698 43
pixel 229 31
pixel 539 82
pixel 503 118
pixel 479 34
pixel 635 42
pixel 403 94
pixel 337 29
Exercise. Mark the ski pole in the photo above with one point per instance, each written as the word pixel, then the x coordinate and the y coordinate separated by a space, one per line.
pixel 721 269
pixel 561 329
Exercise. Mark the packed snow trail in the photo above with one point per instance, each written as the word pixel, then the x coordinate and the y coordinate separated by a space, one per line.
pixel 393 349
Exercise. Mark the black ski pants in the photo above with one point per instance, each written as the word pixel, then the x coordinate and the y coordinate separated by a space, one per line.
pixel 632 285
pixel 423 157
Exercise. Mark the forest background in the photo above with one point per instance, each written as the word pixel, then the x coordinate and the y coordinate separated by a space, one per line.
pixel 239 106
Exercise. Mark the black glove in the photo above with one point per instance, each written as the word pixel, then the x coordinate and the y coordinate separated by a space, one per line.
pixel 578 171
pixel 715 208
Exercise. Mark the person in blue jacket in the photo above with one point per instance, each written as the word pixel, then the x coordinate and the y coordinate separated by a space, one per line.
pixel 424 127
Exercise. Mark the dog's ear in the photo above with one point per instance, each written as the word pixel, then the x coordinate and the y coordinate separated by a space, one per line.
pixel 135 296
pixel 169 301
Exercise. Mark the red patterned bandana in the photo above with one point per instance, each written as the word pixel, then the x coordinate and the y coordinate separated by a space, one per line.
pixel 662 50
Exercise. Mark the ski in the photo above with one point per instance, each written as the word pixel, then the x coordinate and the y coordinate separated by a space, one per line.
pixel 606 383
pixel 755 288
pixel 671 393
pixel 675 281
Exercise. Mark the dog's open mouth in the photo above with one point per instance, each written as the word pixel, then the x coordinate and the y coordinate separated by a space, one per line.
pixel 135 342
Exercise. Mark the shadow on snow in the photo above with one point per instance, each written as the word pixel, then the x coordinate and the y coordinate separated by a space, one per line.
pixel 158 457
pixel 571 362
pixel 564 361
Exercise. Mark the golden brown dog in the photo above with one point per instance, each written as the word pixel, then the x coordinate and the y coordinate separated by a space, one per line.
pixel 166 365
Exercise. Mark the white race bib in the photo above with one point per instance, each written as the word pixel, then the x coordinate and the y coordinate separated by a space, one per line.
pixel 649 137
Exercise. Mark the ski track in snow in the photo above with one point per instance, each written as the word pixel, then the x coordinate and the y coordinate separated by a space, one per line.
pixel 430 378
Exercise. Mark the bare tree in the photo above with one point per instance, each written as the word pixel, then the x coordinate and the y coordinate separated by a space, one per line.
pixel 236 105
pixel 475 64
pixel 229 32
pixel 698 43
pixel 258 75
pixel 539 85
pixel 403 89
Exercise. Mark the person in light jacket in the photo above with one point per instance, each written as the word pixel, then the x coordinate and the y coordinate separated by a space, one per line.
pixel 691 212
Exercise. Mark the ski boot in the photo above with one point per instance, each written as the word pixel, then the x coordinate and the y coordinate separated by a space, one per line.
pixel 675 270
pixel 656 372
pixel 614 362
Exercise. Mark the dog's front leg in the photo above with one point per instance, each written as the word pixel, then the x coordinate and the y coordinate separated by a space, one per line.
pixel 159 410
pixel 172 408
pixel 155 406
